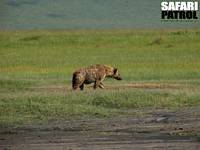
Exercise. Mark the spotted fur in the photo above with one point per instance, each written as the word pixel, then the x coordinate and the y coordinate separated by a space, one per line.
pixel 94 74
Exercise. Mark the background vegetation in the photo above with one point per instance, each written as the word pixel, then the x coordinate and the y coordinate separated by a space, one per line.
pixel 160 69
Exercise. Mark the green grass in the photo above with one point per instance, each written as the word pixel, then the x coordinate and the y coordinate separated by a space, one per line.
pixel 37 107
pixel 33 59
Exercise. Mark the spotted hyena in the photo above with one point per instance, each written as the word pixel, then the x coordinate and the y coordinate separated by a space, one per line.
pixel 94 74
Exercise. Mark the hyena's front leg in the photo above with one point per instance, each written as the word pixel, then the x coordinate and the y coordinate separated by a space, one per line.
pixel 96 84
pixel 101 85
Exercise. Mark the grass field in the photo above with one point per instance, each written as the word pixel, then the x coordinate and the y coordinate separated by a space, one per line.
pixel 160 69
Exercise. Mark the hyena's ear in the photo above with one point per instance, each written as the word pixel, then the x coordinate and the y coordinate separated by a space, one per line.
pixel 115 70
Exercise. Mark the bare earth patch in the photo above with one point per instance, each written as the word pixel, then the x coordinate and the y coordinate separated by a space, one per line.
pixel 158 129
pixel 113 87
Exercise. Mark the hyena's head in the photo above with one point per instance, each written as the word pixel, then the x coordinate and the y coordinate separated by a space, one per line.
pixel 116 75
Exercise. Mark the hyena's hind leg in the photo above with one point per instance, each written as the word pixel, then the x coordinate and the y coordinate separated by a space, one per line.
pixel 76 86
pixel 77 82
pixel 81 86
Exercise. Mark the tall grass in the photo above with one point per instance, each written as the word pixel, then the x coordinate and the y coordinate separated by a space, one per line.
pixel 39 107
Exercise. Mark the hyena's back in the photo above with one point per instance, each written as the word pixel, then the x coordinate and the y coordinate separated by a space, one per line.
pixel 84 76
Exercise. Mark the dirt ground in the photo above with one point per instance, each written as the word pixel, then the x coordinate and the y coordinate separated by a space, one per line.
pixel 157 129
pixel 64 88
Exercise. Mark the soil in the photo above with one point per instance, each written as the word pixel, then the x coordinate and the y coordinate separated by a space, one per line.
pixel 157 129
pixel 64 88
